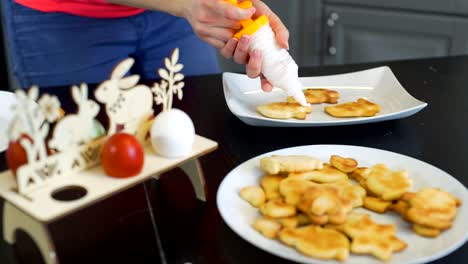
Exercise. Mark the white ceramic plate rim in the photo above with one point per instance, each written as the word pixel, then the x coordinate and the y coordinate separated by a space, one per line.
pixel 417 104
pixel 5 115
pixel 223 190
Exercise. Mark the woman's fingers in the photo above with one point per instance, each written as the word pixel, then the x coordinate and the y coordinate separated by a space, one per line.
pixel 222 34
pixel 213 42
pixel 254 66
pixel 242 50
pixel 231 11
pixel 227 23
pixel 266 85
pixel 215 19
pixel 228 50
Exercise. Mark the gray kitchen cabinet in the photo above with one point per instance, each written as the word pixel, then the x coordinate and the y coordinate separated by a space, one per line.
pixel 353 31
pixel 357 34
pixel 436 6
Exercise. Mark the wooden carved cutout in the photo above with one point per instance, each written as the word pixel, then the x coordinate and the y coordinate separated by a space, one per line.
pixel 34 175
pixel 29 120
pixel 171 83
pixel 75 129
pixel 127 103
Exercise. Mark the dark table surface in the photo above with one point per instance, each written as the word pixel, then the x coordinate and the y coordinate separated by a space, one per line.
pixel 120 229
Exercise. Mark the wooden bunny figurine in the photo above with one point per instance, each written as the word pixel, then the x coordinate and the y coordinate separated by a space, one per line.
pixel 126 102
pixel 75 129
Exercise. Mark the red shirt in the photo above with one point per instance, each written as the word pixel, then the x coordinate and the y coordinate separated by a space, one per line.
pixel 88 8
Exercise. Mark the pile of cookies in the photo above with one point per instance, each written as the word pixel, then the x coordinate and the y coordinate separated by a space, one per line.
pixel 292 109
pixel 308 205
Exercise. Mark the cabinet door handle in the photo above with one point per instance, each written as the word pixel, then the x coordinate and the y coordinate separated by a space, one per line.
pixel 331 23
pixel 331 48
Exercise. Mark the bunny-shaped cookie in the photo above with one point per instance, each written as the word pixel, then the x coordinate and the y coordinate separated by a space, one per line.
pixel 75 129
pixel 126 102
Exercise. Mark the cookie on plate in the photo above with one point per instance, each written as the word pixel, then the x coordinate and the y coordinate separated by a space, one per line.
pixel 316 242
pixel 360 108
pixel 325 204
pixel 368 237
pixel 433 208
pixel 324 175
pixel 386 184
pixel 346 165
pixel 254 195
pixel 292 189
pixel 277 209
pixel 284 110
pixel 318 96
pixel 270 185
pixel 292 163
pixel 267 227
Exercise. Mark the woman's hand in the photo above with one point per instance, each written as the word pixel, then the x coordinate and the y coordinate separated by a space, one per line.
pixel 238 50
pixel 215 21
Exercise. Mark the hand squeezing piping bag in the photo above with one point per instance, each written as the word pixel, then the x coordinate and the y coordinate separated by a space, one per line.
pixel 278 67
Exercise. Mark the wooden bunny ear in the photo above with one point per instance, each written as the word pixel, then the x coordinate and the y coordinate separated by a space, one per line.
pixel 129 82
pixel 122 68
pixel 84 91
pixel 76 94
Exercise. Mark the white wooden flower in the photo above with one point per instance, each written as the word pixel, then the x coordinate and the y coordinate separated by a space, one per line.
pixel 50 106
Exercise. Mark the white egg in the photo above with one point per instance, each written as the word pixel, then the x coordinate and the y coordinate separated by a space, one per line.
pixel 172 134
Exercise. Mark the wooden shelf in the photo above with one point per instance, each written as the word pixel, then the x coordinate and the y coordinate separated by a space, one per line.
pixel 44 208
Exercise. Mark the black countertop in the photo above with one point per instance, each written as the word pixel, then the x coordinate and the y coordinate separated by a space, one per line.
pixel 119 229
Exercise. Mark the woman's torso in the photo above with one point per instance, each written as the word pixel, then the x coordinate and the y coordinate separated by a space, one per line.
pixel 87 8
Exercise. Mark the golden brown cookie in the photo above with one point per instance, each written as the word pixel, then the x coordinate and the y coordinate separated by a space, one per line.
pixel 426 231
pixel 339 228
pixel 316 242
pixel 346 165
pixel 277 209
pixel 286 164
pixel 353 192
pixel 361 108
pixel 318 96
pixel 267 227
pixel 387 184
pixel 324 175
pixel 302 220
pixel 360 175
pixel 376 204
pixel 433 208
pixel 400 207
pixel 292 189
pixel 368 237
pixel 254 195
pixel 291 221
pixel 284 110
pixel 324 204
pixel 270 185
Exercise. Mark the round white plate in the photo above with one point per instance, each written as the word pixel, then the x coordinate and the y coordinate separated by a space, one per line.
pixel 7 100
pixel 239 215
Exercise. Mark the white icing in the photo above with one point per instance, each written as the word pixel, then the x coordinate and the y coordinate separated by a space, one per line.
pixel 278 67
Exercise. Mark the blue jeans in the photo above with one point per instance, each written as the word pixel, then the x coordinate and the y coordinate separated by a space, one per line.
pixel 57 49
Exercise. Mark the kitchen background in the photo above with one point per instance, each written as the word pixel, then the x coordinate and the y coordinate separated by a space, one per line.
pixel 327 32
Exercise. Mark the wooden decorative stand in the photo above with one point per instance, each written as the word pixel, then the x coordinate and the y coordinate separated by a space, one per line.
pixel 34 195
pixel 32 213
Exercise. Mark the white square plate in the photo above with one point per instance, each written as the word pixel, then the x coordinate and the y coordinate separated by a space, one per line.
pixel 379 85
pixel 239 214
